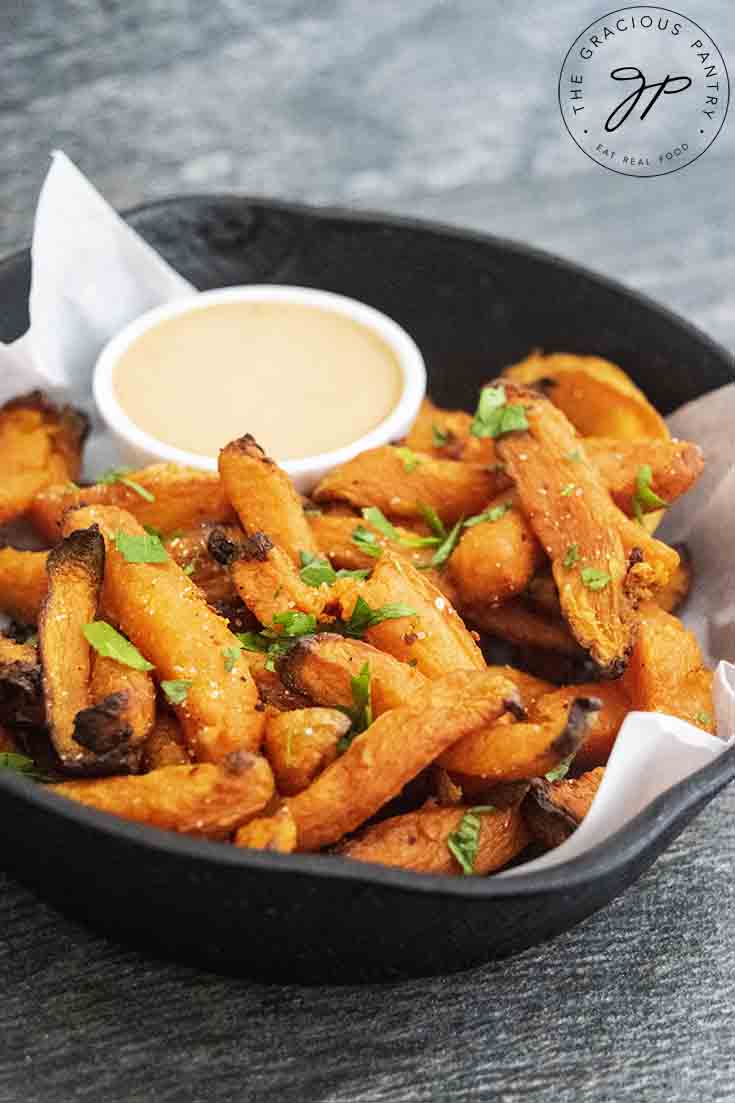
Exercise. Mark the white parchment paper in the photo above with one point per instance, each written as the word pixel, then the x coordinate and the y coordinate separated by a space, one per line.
pixel 91 274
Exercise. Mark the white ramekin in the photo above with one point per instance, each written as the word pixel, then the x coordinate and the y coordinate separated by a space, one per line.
pixel 138 448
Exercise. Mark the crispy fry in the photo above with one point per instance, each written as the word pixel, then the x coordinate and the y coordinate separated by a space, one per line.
pixel 277 832
pixel 518 623
pixel 569 508
pixel 598 397
pixel 264 497
pixel 265 578
pixel 675 466
pixel 206 800
pixel 189 549
pixel 434 639
pixel 322 667
pixel 393 750
pixel 40 444
pixel 168 620
pixel 23 583
pixel 418 840
pixel 21 689
pixel 553 810
pixel 123 709
pixel 446 434
pixel 75 571
pixel 165 745
pixel 301 743
pixel 333 531
pixel 512 752
pixel 382 478
pixel 666 672
pixel 604 725
pixel 183 497
pixel 495 560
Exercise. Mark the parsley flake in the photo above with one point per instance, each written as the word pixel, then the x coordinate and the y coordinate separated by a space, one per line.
pixel 21 764
pixel 364 617
pixel 445 549
pixel 379 521
pixel 315 571
pixel 176 690
pixel 120 475
pixel 561 769
pixel 433 520
pixel 367 542
pixel 231 655
pixel 572 555
pixel 361 713
pixel 567 490
pixel 644 499
pixel 141 549
pixel 107 641
pixel 439 437
pixel 594 578
pixel 495 416
pixel 464 842
pixel 409 459
pixel 493 514
pixel 704 718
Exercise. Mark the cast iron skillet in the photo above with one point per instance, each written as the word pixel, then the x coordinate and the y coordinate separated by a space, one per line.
pixel 474 304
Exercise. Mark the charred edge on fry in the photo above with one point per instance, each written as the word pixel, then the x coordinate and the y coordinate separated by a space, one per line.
pixel 19 632
pixel 239 762
pixel 515 708
pixel 99 728
pixel 576 726
pixel 221 548
pixel 289 665
pixel 256 547
pixel 85 548
pixel 546 820
pixel 21 695
pixel 76 421
pixel 249 445
pixel 236 613
pixel 636 556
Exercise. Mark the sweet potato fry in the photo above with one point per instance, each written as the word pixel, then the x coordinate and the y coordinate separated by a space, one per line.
pixel 383 477
pixel 277 832
pixel 173 498
pixel 418 840
pixel 553 810
pixel 23 583
pixel 675 467
pixel 322 667
pixel 40 445
pixel 446 434
pixel 604 725
pixel 207 800
pixel 496 559
pixel 75 572
pixel 598 397
pixel 21 689
pixel 165 745
pixel 673 595
pixel 264 497
pixel 165 615
pixel 513 752
pixel 578 526
pixel 396 747
pixel 301 743
pixel 122 712
pixel 518 623
pixel 434 638
pixel 666 672
pixel 333 531
pixel 265 578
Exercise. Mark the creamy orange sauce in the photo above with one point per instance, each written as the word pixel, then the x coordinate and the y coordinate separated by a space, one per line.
pixel 302 380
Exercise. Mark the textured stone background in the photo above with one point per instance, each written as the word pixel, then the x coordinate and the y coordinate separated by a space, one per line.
pixel 447 110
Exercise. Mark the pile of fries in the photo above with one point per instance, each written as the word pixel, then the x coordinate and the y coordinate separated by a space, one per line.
pixel 214 655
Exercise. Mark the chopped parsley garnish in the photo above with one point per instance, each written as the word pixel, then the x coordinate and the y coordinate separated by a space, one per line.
pixel 572 555
pixel 231 655
pixel 153 531
pixel 189 568
pixel 439 437
pixel 409 459
pixel 567 490
pixel 561 769
pixel 704 718
pixel 367 542
pixel 495 416
pixel 21 764
pixel 433 520
pixel 379 521
pixel 273 643
pixel 644 499
pixel 364 617
pixel 107 641
pixel 361 713
pixel 445 549
pixel 575 456
pixel 493 514
pixel 594 578
pixel 315 571
pixel 176 690
pixel 120 475
pixel 141 549
pixel 464 842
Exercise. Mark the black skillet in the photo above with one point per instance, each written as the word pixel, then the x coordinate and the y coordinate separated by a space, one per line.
pixel 474 304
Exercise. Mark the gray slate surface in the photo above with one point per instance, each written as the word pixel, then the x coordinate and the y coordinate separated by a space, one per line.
pixel 447 110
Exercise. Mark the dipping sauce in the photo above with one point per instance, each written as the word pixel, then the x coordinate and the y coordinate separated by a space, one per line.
pixel 301 379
